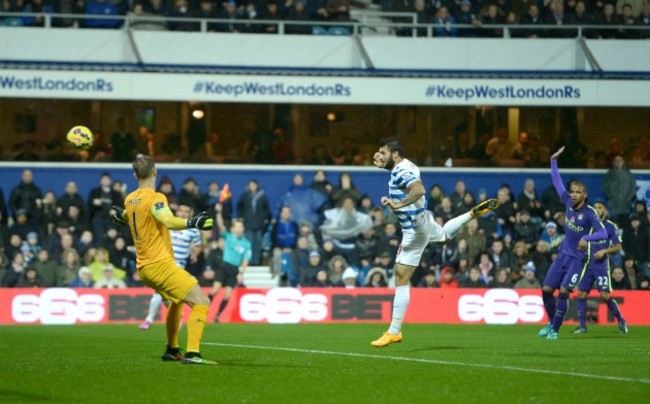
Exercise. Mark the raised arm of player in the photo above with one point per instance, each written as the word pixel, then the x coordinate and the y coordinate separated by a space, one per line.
pixel 557 180
pixel 415 191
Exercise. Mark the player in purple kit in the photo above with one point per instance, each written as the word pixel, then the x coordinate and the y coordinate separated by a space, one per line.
pixel 582 226
pixel 598 271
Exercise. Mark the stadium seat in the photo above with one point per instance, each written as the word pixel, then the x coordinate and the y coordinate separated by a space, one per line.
pixel 317 30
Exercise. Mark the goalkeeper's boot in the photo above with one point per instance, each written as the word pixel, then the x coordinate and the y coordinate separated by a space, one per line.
pixel 544 331
pixel 387 339
pixel 172 355
pixel 195 358
pixel 552 335
pixel 484 207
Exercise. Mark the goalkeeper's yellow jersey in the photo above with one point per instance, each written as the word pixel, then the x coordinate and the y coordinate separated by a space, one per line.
pixel 150 236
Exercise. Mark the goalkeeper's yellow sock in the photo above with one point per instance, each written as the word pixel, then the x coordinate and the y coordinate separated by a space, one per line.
pixel 174 314
pixel 195 326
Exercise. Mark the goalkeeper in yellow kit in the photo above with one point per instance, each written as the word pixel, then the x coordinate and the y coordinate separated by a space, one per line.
pixel 149 218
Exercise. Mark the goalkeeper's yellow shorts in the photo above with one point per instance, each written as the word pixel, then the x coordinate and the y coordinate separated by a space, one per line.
pixel 168 279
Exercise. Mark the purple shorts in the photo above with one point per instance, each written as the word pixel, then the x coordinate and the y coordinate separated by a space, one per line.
pixel 564 272
pixel 597 271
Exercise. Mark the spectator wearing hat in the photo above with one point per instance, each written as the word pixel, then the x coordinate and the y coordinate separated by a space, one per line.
pixel 551 236
pixel 336 265
pixel 529 280
pixel 108 280
pixel 84 279
pixel 166 187
pixel 447 279
pixel 307 273
pixel 349 278
pixel 23 224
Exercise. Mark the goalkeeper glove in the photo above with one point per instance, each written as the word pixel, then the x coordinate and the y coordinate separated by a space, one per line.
pixel 118 216
pixel 201 221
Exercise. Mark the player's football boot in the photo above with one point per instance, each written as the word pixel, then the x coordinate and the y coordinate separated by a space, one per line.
pixel 195 358
pixel 145 325
pixel 484 207
pixel 552 334
pixel 579 330
pixel 387 339
pixel 172 355
pixel 544 331
pixel 622 327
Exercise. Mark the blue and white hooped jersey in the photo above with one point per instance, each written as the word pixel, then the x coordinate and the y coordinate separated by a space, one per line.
pixel 182 241
pixel 401 176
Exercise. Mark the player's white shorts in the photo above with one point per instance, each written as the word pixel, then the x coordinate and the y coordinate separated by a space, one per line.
pixel 415 240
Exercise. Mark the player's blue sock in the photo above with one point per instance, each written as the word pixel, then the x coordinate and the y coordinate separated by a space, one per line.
pixel 582 313
pixel 562 305
pixel 613 307
pixel 549 304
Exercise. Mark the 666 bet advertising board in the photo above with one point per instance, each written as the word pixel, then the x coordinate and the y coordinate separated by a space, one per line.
pixel 310 305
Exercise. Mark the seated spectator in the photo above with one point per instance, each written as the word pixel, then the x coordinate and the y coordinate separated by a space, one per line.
pixel 558 17
pixel 492 16
pixel 627 21
pixel 532 17
pixel 349 278
pixel 101 262
pixel 528 200
pixel 108 280
pixel 607 17
pixel 103 8
pixel 321 280
pixel 229 12
pixel 444 23
pixel 551 236
pixel 486 268
pixel 298 13
pixel 529 281
pixel 307 273
pixel 466 16
pixel 30 279
pixel 70 266
pixel 36 6
pixel 48 271
pixel 499 149
pixel 525 229
pixel 84 279
pixel 269 11
pixel 447 278
pixel 619 280
pixel 181 9
pixel 306 203
pixel 473 280
pixel 345 223
pixel 643 20
pixel 22 224
pixel 582 17
pixel 501 280
pixel 208 10
pixel 336 265
pixel 376 278
pixel 428 280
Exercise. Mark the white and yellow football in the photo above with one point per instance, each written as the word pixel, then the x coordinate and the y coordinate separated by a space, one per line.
pixel 80 137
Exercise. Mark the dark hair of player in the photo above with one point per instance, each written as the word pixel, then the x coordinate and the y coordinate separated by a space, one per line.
pixel 393 145
pixel 143 167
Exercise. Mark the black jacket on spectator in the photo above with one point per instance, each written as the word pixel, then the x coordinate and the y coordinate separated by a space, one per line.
pixel 24 196
pixel 635 243
pixel 254 209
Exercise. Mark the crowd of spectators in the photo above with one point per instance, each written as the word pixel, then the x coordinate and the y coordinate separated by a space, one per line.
pixel 616 19
pixel 623 19
pixel 319 233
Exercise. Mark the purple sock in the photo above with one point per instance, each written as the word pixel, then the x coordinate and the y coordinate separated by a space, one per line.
pixel 613 307
pixel 549 304
pixel 582 313
pixel 562 305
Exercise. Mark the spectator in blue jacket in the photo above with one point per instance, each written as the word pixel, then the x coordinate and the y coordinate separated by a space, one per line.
pixel 104 8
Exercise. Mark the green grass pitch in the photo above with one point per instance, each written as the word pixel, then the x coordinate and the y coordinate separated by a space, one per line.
pixel 325 363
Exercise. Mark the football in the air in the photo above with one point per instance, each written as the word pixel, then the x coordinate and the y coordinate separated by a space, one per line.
pixel 80 137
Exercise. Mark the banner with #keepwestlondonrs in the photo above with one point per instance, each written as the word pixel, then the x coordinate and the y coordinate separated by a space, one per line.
pixel 311 305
